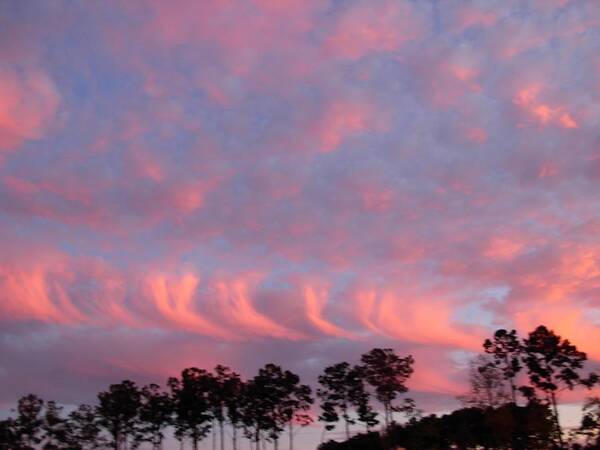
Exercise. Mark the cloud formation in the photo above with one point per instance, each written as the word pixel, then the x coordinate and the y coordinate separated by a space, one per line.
pixel 294 181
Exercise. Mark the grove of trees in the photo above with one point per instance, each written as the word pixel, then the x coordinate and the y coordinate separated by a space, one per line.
pixel 512 403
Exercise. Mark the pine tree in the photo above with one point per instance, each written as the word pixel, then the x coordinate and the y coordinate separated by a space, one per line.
pixel 191 404
pixel 85 431
pixel 28 425
pixel 155 415
pixel 56 428
pixel 118 412
pixel 387 373
pixel 342 392
pixel 554 364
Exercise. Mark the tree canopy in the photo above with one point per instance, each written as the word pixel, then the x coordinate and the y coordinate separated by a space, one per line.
pixel 500 410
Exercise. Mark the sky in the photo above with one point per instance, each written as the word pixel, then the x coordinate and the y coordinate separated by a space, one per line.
pixel 188 183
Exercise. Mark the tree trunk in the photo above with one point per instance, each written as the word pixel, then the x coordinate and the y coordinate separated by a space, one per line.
pixel 347 425
pixel 558 429
pixel 234 437
pixel 195 443
pixel 513 390
pixel 291 428
pixel 116 437
pixel 214 435
pixel 222 434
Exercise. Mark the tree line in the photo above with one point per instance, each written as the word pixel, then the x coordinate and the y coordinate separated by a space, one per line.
pixel 201 404
pixel 512 403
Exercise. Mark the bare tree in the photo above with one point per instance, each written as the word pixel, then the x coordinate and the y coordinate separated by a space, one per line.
pixel 487 384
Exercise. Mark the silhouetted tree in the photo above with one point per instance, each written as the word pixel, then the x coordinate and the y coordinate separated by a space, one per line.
pixel 178 419
pixel 258 402
pixel 505 348
pixel 387 373
pixel 28 425
pixel 234 389
pixel 155 415
pixel 509 426
pixel 294 403
pixel 364 412
pixel 369 441
pixel 519 428
pixel 118 411
pixel 342 391
pixel 56 428
pixel 191 404
pixel 554 364
pixel 590 422
pixel 487 384
pixel 85 431
pixel 274 399
pixel 221 389
pixel 8 435
pixel 424 434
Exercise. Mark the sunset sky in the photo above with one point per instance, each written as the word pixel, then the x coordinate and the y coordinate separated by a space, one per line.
pixel 292 181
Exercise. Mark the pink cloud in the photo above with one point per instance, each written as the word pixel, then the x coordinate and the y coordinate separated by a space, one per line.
pixel 32 295
pixel 316 301
pixel 236 306
pixel 530 100
pixel 503 248
pixel 28 103
pixel 174 300
pixel 470 16
pixel 401 316
pixel 366 27
pixel 343 119
pixel 477 135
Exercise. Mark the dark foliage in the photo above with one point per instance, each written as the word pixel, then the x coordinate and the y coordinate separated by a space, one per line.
pixel 118 411
pixel 509 426
pixel 342 392
pixel 553 364
pixel 506 350
pixel 369 441
pixel 387 373
pixel 275 401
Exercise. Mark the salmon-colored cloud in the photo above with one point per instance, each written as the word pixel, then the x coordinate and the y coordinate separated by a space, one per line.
pixel 366 27
pixel 33 295
pixel 28 102
pixel 316 301
pixel 174 300
pixel 236 307
pixel 528 98
pixel 575 324
pixel 402 317
pixel 344 119
pixel 503 248
pixel 477 135
pixel 470 16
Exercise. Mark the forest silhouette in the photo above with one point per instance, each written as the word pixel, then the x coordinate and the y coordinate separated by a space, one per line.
pixel 512 404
